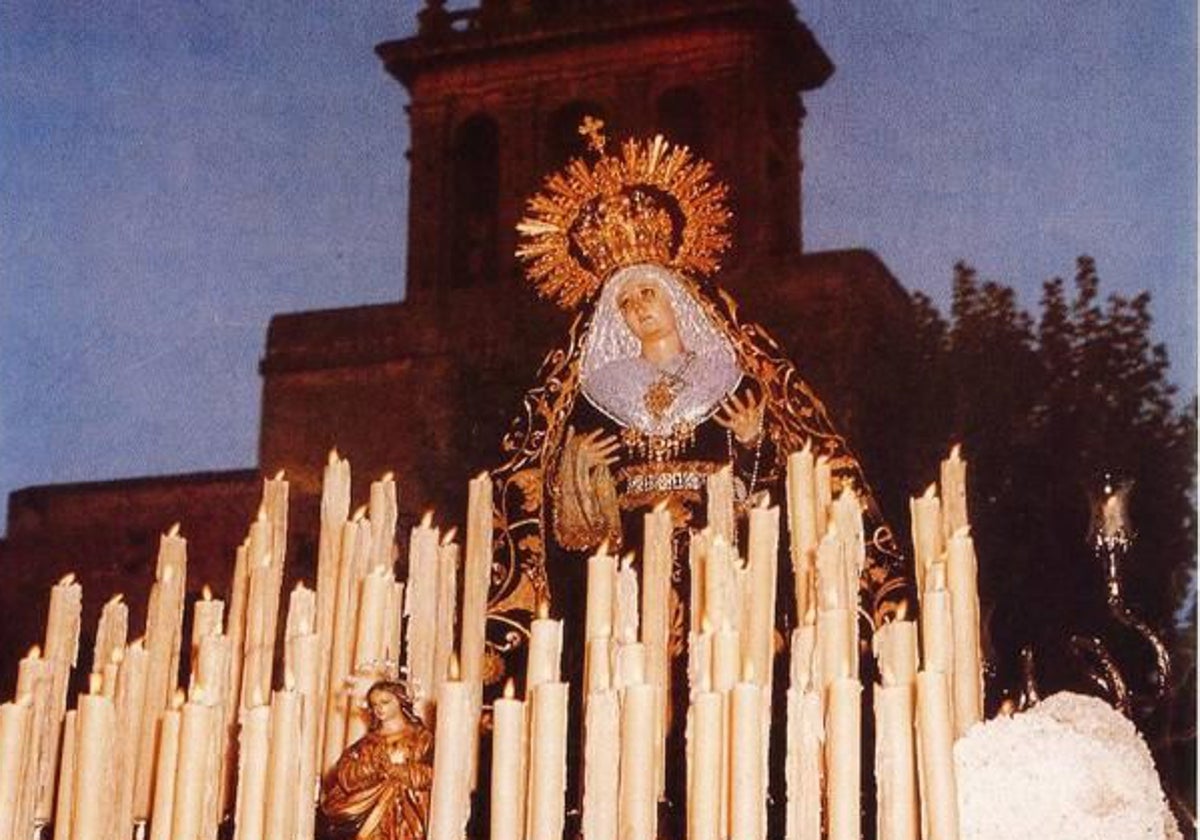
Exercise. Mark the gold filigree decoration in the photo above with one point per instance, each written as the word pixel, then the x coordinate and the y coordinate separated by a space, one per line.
pixel 654 202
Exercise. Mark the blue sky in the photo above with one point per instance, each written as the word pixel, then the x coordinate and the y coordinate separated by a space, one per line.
pixel 173 174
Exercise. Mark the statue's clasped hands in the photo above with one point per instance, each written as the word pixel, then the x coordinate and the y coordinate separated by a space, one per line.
pixel 743 417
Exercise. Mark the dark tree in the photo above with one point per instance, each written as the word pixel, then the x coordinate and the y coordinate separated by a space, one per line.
pixel 1044 408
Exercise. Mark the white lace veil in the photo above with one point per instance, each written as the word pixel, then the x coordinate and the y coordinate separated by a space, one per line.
pixel 611 383
pixel 609 337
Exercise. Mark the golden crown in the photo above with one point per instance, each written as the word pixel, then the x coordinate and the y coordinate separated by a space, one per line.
pixel 653 203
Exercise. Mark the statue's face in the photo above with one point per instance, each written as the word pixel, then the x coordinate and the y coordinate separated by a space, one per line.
pixel 385 706
pixel 647 311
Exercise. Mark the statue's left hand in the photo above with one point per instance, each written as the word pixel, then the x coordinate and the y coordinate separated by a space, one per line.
pixel 743 417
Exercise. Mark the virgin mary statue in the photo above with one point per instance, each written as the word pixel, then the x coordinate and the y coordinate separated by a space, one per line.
pixel 658 386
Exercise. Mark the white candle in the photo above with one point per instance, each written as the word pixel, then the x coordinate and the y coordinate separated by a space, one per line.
pixel 638 799
pixel 283 765
pixel 194 772
pixel 111 631
pixel 450 799
pixel 843 758
pixel 382 513
pixel 747 810
pixel 94 788
pixel 763 557
pixel 420 607
pixel 704 798
pixel 477 578
pixel 166 766
pixel 447 588
pixel 252 772
pixel 939 797
pixel 656 624
pixel 720 504
pixel 601 764
pixel 64 807
pixel 545 652
pixel 61 648
pixel 953 476
pixel 806 733
pixel 895 762
pixel 16 724
pixel 509 767
pixel 548 761
pixel 961 580
pixel 927 532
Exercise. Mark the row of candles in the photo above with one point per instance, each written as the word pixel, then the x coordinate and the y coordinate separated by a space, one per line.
pixel 930 688
pixel 139 749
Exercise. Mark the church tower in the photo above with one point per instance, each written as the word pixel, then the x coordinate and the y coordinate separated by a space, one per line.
pixel 498 91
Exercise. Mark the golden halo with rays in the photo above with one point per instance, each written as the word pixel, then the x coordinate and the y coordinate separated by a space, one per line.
pixel 655 202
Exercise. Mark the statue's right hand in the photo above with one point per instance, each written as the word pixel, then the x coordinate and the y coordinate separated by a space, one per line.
pixel 597 449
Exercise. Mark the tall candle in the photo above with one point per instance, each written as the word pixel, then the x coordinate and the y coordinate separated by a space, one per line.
pixel 823 484
pixel 111 631
pixel 447 607
pixel 704 796
pixel 720 504
pixel 927 532
pixel 601 597
pixel 239 586
pixel 763 556
pixel 843 758
pixel 375 590
pixel 656 624
pixel 895 762
pixel 275 503
pixel 599 675
pixel 509 768
pixel 342 646
pixel 130 700
pixel 625 612
pixel 61 648
pixel 302 660
pixel 803 770
pixel 421 603
pixel 163 637
pixel 64 807
pixel 638 799
pixel 961 581
pixel 895 646
pixel 35 676
pixel 601 763
pixel 937 632
pixel 166 767
pixel 630 662
pixel 450 799
pixel 545 652
pixel 252 772
pixel 208 618
pixel 335 510
pixel 802 505
pixel 747 809
pixel 382 513
pixel 835 640
pixel 953 476
pixel 93 812
pixel 477 577
pixel 548 761
pixel 16 724
pixel 194 774
pixel 939 797
pixel 283 764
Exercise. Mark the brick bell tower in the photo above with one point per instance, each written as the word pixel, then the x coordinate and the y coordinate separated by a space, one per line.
pixel 498 91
